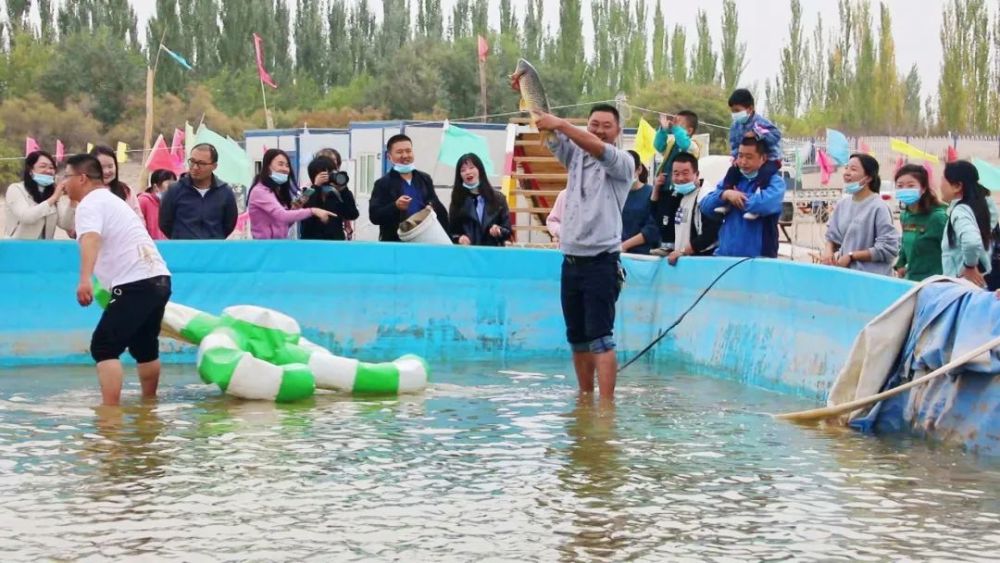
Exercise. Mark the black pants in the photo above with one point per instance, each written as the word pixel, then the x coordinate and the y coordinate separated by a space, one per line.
pixel 132 320
pixel 590 287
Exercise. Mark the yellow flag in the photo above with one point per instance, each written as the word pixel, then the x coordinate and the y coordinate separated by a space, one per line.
pixel 90 147
pixel 644 141
pixel 911 151
pixel 122 153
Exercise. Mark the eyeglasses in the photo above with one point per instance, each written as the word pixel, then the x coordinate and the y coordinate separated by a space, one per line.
pixel 192 163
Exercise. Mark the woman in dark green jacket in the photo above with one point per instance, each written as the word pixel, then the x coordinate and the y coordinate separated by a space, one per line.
pixel 924 218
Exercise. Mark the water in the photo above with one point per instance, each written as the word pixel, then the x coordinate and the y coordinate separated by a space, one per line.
pixel 486 466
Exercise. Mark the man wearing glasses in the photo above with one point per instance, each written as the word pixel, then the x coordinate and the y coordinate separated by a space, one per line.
pixel 199 206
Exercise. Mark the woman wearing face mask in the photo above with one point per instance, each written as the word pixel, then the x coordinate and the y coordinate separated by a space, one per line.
pixel 923 218
pixel 639 231
pixel 966 241
pixel 149 201
pixel 861 234
pixel 338 200
pixel 479 215
pixel 109 166
pixel 36 205
pixel 271 201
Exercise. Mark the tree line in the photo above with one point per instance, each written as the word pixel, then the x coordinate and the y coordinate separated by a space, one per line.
pixel 76 70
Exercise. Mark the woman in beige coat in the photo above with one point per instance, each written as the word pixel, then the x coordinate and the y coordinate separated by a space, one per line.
pixel 36 205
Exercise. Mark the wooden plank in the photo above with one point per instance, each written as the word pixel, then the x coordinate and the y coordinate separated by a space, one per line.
pixel 540 176
pixel 545 210
pixel 529 193
pixel 536 228
pixel 538 159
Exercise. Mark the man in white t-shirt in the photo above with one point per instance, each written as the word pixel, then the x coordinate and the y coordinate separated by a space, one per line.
pixel 116 248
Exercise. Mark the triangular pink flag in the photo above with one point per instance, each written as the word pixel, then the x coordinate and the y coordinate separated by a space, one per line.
pixel 177 146
pixel 30 146
pixel 825 167
pixel 899 164
pixel 60 152
pixel 866 149
pixel 160 158
pixel 258 45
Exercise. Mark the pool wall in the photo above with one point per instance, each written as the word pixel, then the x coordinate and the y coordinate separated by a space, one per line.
pixel 774 324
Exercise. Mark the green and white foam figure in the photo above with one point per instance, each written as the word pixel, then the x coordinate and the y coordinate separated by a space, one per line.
pixel 256 353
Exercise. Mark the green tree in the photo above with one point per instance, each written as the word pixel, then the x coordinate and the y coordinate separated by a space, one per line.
pixel 816 73
pixel 461 20
pixel 508 20
pixel 635 65
pixel 661 44
pixel 341 66
pixel 395 26
pixel 889 98
pixel 170 77
pixel 122 68
pixel 980 79
pixel 787 95
pixel 678 54
pixel 733 51
pixel 479 16
pixel 954 97
pixel 864 103
pixel 838 68
pixel 199 22
pixel 23 67
pixel 704 60
pixel 911 100
pixel 569 43
pixel 312 55
pixel 362 36
pixel 534 32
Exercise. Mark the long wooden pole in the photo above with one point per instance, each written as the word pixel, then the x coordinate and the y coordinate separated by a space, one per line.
pixel 482 88
pixel 147 139
pixel 824 413
pixel 268 121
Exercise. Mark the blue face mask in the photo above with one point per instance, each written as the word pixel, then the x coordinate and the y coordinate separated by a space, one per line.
pixel 740 117
pixel 279 178
pixel 852 188
pixel 684 189
pixel 749 175
pixel 471 187
pixel 908 196
pixel 43 180
pixel 402 168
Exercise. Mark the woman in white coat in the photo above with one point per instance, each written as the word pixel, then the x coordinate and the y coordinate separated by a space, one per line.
pixel 36 205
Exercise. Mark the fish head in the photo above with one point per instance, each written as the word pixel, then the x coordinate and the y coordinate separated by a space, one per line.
pixel 523 67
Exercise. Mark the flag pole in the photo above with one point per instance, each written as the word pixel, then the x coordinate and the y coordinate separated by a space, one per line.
pixel 482 87
pixel 267 114
pixel 148 132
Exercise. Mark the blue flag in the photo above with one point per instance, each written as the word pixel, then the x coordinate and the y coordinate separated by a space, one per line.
pixel 180 60
pixel 456 142
pixel 837 147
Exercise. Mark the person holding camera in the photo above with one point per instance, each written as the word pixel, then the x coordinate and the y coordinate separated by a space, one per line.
pixel 271 206
pixel 329 191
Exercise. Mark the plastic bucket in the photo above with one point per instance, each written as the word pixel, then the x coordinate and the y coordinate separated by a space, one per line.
pixel 423 227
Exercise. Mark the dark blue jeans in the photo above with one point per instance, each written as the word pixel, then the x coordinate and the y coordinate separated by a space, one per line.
pixel 590 287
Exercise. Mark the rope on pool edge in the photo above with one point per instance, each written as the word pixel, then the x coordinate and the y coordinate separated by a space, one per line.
pixel 684 314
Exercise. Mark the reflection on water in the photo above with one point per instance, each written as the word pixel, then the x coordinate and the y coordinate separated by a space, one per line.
pixel 486 464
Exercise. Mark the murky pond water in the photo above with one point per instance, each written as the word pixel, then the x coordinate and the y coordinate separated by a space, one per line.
pixel 485 466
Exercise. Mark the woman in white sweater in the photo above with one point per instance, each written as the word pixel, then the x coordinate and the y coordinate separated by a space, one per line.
pixel 36 205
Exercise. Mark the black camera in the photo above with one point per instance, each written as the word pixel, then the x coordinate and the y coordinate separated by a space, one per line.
pixel 339 178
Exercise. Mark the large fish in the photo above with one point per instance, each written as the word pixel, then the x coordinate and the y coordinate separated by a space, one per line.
pixel 526 81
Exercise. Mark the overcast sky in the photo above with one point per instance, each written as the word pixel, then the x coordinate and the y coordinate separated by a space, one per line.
pixel 764 27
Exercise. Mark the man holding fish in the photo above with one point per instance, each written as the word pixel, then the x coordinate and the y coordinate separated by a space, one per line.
pixel 600 176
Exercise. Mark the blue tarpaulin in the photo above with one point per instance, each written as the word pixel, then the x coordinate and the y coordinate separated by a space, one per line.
pixel 949 320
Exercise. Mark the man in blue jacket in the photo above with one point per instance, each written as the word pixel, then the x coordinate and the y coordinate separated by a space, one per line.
pixel 199 206
pixel 752 195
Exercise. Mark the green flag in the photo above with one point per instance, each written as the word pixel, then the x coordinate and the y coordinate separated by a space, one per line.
pixel 456 142
pixel 989 175
pixel 235 167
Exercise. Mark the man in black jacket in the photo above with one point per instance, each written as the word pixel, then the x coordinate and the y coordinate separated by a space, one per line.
pixel 199 206
pixel 402 192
